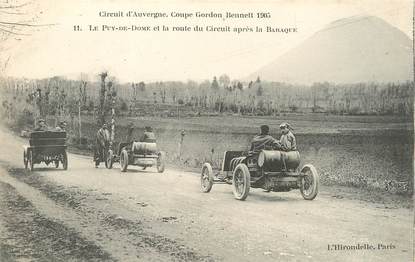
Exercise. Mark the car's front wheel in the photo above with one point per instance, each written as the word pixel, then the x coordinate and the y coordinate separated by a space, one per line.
pixel 161 162
pixel 309 182
pixel 124 160
pixel 241 182
pixel 206 178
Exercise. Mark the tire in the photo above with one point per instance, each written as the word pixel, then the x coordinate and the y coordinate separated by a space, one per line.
pixel 161 162
pixel 25 161
pixel 109 161
pixel 124 160
pixel 65 161
pixel 241 182
pixel 206 178
pixel 30 160
pixel 309 182
pixel 57 163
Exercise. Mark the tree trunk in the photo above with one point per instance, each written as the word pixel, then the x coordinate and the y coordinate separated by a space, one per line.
pixel 101 112
pixel 79 122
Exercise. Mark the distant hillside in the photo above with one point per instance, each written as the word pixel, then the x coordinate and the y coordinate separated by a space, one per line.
pixel 355 49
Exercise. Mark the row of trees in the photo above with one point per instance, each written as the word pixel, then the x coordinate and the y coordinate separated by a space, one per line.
pixel 258 97
pixel 59 97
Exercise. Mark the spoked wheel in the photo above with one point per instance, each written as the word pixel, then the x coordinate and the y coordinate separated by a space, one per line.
pixel 25 159
pixel 110 159
pixel 206 179
pixel 309 182
pixel 160 162
pixel 124 160
pixel 57 163
pixel 241 182
pixel 30 160
pixel 65 160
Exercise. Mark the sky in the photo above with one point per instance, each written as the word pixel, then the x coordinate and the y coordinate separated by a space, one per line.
pixel 58 50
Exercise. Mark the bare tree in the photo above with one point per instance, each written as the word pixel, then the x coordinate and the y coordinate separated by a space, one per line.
pixel 18 18
pixel 101 112
pixel 224 80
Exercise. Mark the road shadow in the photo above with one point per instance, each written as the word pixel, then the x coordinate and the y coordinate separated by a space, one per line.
pixel 49 169
pixel 138 170
pixel 260 196
pixel 273 197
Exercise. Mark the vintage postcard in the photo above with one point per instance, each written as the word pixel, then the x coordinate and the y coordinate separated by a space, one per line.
pixel 206 130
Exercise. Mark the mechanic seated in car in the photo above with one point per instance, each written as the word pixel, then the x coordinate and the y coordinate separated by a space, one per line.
pixel 287 139
pixel 148 136
pixel 263 140
pixel 41 125
pixel 61 127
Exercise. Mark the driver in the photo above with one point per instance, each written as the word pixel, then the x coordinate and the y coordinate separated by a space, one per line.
pixel 102 142
pixel 263 140
pixel 148 136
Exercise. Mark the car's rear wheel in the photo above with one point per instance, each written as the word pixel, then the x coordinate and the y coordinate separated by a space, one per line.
pixel 161 162
pixel 309 182
pixel 124 160
pixel 65 161
pixel 206 178
pixel 241 182
pixel 25 159
pixel 30 160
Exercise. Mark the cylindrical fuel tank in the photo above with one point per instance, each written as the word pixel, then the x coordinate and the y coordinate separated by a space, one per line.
pixel 273 160
pixel 144 148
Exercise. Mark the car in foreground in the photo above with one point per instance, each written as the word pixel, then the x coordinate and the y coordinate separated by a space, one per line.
pixel 271 170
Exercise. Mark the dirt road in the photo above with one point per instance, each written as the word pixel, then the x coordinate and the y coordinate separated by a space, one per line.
pixel 88 214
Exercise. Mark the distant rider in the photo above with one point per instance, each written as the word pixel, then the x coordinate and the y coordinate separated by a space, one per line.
pixel 148 136
pixel 61 127
pixel 130 130
pixel 102 143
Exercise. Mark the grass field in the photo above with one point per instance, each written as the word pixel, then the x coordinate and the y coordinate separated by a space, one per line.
pixel 373 152
pixel 363 151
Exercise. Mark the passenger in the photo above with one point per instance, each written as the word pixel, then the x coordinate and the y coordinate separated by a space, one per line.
pixel 148 136
pixel 102 144
pixel 41 125
pixel 130 130
pixel 287 139
pixel 61 127
pixel 263 140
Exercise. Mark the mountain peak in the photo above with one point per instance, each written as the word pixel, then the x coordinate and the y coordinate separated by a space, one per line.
pixel 348 50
